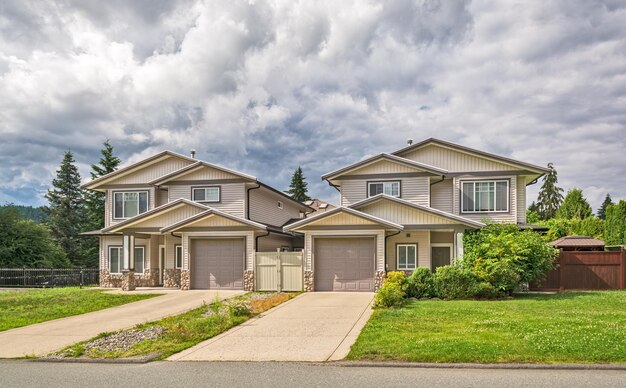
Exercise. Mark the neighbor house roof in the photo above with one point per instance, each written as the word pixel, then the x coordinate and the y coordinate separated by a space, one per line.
pixel 392 158
pixel 529 166
pixel 426 209
pixel 577 241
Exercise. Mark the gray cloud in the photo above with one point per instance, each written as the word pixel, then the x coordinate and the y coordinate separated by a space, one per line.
pixel 266 87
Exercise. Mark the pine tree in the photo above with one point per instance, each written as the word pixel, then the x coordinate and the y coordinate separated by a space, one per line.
pixel 298 187
pixel 602 211
pixel 574 206
pixel 95 202
pixel 66 210
pixel 550 195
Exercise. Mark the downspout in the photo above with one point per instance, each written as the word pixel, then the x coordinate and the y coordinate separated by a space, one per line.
pixel 256 240
pixel 439 181
pixel 386 237
pixel 248 200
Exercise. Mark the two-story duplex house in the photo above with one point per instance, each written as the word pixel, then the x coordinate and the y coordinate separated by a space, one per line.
pixel 407 209
pixel 167 208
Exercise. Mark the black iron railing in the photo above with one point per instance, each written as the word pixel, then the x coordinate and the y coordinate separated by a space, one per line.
pixel 48 277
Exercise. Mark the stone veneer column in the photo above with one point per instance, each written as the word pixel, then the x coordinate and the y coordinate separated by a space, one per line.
pixel 171 278
pixel 379 278
pixel 248 280
pixel 105 278
pixel 308 281
pixel 128 280
pixel 185 279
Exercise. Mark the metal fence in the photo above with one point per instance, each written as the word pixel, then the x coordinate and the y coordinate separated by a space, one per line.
pixel 48 277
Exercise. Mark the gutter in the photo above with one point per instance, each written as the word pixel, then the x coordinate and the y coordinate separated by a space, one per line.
pixel 386 237
pixel 442 179
pixel 256 240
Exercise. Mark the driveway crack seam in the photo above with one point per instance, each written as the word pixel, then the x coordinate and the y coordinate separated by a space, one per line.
pixel 349 331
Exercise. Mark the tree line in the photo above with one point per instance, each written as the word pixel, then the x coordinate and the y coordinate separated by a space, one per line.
pixel 572 215
pixel 49 236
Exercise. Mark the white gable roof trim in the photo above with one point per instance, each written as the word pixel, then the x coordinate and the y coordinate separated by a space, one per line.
pixel 194 167
pixel 354 212
pixel 384 156
pixel 208 213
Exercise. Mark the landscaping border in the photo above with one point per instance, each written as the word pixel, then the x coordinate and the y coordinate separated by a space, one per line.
pixel 402 364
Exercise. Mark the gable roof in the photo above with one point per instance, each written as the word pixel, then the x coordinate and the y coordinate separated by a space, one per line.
pixel 392 158
pixel 447 144
pixel 134 167
pixel 152 213
pixel 577 241
pixel 208 213
pixel 426 209
pixel 192 167
pixel 341 209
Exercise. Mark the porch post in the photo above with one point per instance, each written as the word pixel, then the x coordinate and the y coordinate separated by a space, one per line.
pixel 128 273
pixel 459 245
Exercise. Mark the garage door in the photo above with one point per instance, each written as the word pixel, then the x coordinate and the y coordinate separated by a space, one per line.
pixel 217 263
pixel 344 264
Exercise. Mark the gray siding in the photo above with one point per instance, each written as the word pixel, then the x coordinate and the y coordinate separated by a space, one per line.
pixel 415 190
pixel 161 197
pixel 233 197
pixel 108 209
pixel 441 195
pixel 273 242
pixel 521 199
pixel 264 208
pixel 455 161
pixel 152 171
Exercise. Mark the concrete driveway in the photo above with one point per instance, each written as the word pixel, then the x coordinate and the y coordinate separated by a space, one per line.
pixel 318 326
pixel 43 338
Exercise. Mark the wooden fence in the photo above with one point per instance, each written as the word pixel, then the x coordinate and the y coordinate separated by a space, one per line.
pixel 600 270
pixel 48 277
pixel 278 271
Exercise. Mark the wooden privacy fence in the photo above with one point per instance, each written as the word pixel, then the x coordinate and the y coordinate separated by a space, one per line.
pixel 600 270
pixel 278 271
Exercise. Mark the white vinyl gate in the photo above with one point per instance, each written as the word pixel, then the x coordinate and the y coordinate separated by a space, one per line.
pixel 278 271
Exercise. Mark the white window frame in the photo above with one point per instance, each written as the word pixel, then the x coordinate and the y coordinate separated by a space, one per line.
pixel 495 196
pixel 219 194
pixel 280 205
pixel 406 268
pixel 120 258
pixel 177 257
pixel 369 184
pixel 138 206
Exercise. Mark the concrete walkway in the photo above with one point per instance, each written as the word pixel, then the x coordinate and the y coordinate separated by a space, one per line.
pixel 43 338
pixel 318 326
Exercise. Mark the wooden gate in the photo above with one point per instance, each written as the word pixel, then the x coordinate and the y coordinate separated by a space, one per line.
pixel 603 270
pixel 278 271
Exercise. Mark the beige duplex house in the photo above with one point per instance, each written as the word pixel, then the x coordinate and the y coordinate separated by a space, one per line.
pixel 175 221
pixel 409 209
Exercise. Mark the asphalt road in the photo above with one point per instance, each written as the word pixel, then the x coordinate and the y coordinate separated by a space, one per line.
pixel 22 373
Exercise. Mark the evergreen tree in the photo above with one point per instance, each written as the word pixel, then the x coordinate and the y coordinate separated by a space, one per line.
pixel 615 227
pixel 550 195
pixel 66 210
pixel 574 206
pixel 532 213
pixel 95 202
pixel 602 211
pixel 298 187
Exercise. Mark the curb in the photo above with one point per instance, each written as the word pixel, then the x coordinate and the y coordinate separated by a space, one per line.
pixel 394 364
pixel 137 360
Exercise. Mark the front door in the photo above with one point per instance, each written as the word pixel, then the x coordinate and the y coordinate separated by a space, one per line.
pixel 440 256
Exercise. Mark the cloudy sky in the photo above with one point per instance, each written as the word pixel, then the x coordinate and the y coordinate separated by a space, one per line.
pixel 263 87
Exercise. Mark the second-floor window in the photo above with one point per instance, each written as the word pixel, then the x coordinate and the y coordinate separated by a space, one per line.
pixel 389 188
pixel 485 196
pixel 205 194
pixel 129 204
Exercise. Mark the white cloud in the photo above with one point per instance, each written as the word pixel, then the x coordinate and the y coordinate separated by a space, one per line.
pixel 267 86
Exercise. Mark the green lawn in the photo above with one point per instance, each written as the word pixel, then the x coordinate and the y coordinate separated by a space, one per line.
pixel 184 330
pixel 23 308
pixel 572 327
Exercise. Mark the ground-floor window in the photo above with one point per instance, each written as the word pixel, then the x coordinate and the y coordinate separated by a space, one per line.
pixel 116 259
pixel 407 256
pixel 179 256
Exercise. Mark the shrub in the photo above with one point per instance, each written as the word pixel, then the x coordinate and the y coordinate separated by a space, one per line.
pixel 397 277
pixel 453 282
pixel 484 290
pixel 420 284
pixel 240 308
pixel 505 256
pixel 389 295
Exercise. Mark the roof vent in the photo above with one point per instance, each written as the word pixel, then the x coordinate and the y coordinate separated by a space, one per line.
pixel 409 141
pixel 193 153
